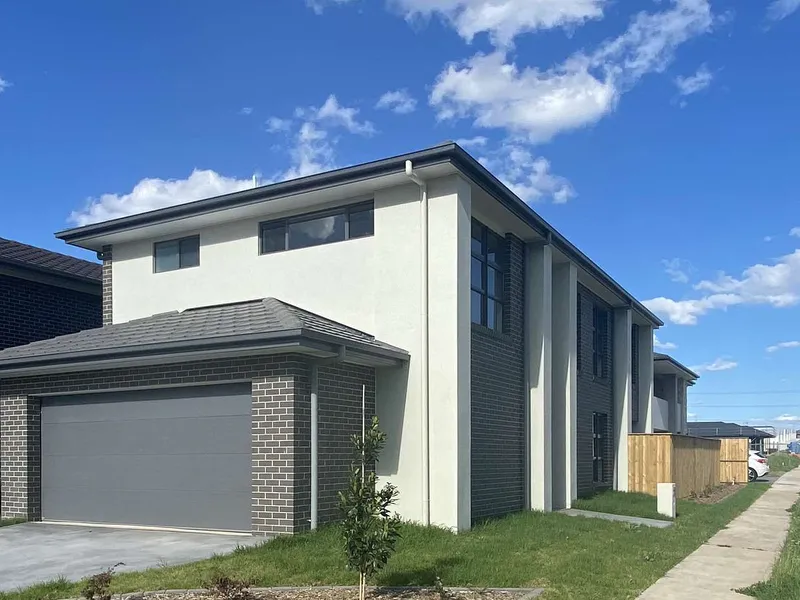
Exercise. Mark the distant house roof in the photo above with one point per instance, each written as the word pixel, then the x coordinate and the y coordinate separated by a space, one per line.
pixel 657 356
pixel 719 429
pixel 22 255
pixel 258 326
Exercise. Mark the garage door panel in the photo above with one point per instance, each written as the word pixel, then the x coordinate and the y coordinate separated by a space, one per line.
pixel 130 473
pixel 188 435
pixel 208 401
pixel 224 511
pixel 170 457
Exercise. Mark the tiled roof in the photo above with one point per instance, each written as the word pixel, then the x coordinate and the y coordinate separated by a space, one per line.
pixel 720 429
pixel 24 255
pixel 255 319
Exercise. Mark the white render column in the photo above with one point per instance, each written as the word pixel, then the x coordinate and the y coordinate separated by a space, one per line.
pixel 623 392
pixel 672 403
pixel 538 352
pixel 645 399
pixel 565 385
pixel 450 210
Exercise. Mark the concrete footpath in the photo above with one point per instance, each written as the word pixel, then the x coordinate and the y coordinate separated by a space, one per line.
pixel 739 555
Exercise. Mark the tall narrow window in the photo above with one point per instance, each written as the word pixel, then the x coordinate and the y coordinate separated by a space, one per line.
pixel 599 341
pixel 487 277
pixel 579 342
pixel 176 254
pixel 599 429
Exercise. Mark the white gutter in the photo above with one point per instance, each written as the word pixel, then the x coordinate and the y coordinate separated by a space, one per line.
pixel 424 350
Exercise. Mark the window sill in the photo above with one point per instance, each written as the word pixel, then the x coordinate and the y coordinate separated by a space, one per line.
pixel 491 332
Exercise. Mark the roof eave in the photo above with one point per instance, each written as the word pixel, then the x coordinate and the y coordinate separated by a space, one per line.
pixel 232 345
pixel 436 155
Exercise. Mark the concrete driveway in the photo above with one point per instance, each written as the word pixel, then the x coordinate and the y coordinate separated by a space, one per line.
pixel 37 552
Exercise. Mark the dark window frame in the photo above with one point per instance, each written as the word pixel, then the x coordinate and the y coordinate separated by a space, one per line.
pixel 600 317
pixel 579 340
pixel 486 295
pixel 345 211
pixel 179 241
pixel 599 449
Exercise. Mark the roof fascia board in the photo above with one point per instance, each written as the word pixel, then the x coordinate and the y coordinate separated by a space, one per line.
pixel 22 270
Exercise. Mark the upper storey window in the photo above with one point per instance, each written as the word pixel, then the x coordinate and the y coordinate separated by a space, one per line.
pixel 176 254
pixel 486 277
pixel 319 228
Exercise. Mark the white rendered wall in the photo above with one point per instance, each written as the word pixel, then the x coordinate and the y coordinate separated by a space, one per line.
pixel 450 342
pixel 565 385
pixel 623 323
pixel 646 399
pixel 538 350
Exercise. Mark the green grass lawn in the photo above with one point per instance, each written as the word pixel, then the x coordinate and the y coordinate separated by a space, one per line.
pixel 625 503
pixel 5 522
pixel 782 462
pixel 571 557
pixel 785 580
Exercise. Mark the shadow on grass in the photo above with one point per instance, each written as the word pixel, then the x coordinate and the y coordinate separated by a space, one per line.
pixel 423 577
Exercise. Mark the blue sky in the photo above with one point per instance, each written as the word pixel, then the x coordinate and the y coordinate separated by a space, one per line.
pixel 664 143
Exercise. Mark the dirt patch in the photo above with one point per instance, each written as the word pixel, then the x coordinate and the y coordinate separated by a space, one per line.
pixel 346 593
pixel 719 493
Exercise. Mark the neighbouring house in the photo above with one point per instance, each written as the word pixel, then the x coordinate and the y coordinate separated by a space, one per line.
pixel 719 429
pixel 45 294
pixel 239 333
pixel 671 383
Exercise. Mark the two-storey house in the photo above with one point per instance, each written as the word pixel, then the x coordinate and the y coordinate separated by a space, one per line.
pixel 240 332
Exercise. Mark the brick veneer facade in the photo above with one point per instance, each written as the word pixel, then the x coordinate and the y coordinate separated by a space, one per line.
pixel 108 265
pixel 31 311
pixel 595 394
pixel 497 381
pixel 281 429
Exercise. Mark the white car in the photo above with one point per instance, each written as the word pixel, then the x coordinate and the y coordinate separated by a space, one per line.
pixel 757 465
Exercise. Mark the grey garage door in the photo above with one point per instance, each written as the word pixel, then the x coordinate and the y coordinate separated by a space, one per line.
pixel 175 457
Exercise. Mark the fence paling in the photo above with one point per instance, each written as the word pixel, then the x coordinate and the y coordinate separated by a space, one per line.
pixel 693 464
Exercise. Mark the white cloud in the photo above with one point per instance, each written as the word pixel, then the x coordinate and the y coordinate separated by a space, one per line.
pixel 787 417
pixel 539 104
pixel 4 85
pixel 318 6
pixel 795 231
pixel 503 20
pixel 246 110
pixel 677 269
pixel 780 9
pixel 275 125
pixel 776 285
pixel 768 238
pixel 478 141
pixel 398 101
pixel 312 151
pixel 528 176
pixel 719 364
pixel 686 312
pixel 151 194
pixel 659 345
pixel 691 415
pixel 692 84
pixel 333 113
pixel 783 346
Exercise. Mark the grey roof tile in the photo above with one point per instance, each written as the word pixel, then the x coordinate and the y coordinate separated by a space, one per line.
pixel 24 255
pixel 252 318
pixel 720 429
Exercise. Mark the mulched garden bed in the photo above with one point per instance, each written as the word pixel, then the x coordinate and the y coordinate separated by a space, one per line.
pixel 347 593
pixel 719 493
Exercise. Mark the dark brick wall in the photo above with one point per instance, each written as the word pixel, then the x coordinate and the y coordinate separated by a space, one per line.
pixel 281 426
pixel 594 394
pixel 498 449
pixel 108 263
pixel 339 419
pixel 32 311
pixel 635 374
